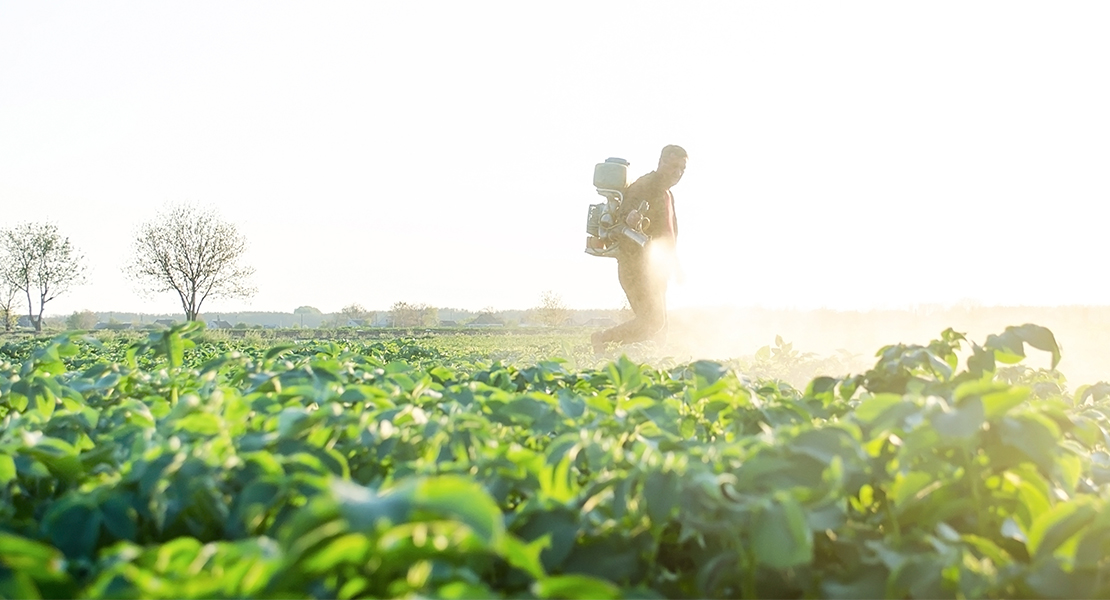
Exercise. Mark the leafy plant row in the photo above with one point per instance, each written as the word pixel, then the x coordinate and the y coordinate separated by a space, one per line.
pixel 167 468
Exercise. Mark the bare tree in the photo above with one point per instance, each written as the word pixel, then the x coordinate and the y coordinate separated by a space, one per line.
pixel 429 315
pixel 551 312
pixel 40 262
pixel 194 253
pixel 404 314
pixel 352 312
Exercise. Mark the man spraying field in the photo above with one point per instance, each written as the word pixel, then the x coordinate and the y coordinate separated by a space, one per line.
pixel 643 269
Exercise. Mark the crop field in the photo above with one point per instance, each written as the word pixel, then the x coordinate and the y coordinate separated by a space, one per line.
pixel 181 465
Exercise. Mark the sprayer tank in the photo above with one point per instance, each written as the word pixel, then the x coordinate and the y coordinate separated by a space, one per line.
pixel 611 174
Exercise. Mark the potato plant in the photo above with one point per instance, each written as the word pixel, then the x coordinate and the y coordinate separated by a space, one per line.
pixel 171 467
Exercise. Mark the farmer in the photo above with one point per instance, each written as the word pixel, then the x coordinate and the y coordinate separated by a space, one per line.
pixel 643 272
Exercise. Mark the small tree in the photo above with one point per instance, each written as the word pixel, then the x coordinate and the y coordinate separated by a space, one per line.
pixel 315 316
pixel 353 312
pixel 85 319
pixel 40 263
pixel 429 315
pixel 551 312
pixel 404 314
pixel 7 298
pixel 193 253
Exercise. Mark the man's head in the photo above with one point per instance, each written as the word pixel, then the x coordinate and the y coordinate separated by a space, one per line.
pixel 672 164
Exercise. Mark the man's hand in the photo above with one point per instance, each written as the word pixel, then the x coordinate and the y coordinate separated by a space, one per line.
pixel 633 219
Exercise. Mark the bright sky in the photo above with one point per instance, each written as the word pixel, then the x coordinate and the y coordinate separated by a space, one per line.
pixel 848 154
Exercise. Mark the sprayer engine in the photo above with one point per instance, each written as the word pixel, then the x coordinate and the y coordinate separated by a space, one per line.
pixel 607 225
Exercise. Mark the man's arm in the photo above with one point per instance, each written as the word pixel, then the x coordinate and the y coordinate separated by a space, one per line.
pixel 634 197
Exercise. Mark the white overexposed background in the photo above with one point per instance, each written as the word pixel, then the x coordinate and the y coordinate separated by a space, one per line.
pixel 842 155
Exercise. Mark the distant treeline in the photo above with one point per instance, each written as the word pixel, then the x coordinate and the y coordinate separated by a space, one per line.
pixel 447 317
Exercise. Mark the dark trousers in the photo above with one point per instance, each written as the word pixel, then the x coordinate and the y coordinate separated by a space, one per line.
pixel 646 290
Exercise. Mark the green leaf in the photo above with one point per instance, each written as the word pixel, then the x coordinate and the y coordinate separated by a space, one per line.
pixel 16 396
pixel 1040 338
pixel 601 402
pixel 962 422
pixel 557 527
pixel 821 387
pixel 1069 468
pixel 314 459
pixel 870 409
pixel 1033 436
pixel 781 538
pixel 44 396
pixel 277 350
pixel 556 481
pixel 177 555
pixel 1094 544
pixel 119 518
pixel 1047 579
pixel 661 492
pixel 996 404
pixel 870 583
pixel 1032 493
pixel 336 552
pixel 709 371
pixel 526 556
pixel 1009 345
pixel 200 423
pixel 73 526
pixel 292 421
pixel 573 587
pixel 58 456
pixel 561 446
pixel 458 590
pixel 39 559
pixel 988 549
pixel 829 515
pixel 571 404
pixel 175 349
pixel 1095 393
pixel 636 403
pixel 18 585
pixel 26 466
pixel 7 469
pixel 464 500
pixel 920 576
pixel 366 394
pixel 826 443
pixel 137 413
pixel 911 486
pixel 1059 524
pixel 614 557
pixel 525 410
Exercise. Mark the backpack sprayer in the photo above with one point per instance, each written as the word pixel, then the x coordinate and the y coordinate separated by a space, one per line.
pixel 607 225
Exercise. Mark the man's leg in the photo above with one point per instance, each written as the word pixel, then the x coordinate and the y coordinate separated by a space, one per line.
pixel 627 276
pixel 655 308
pixel 643 293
